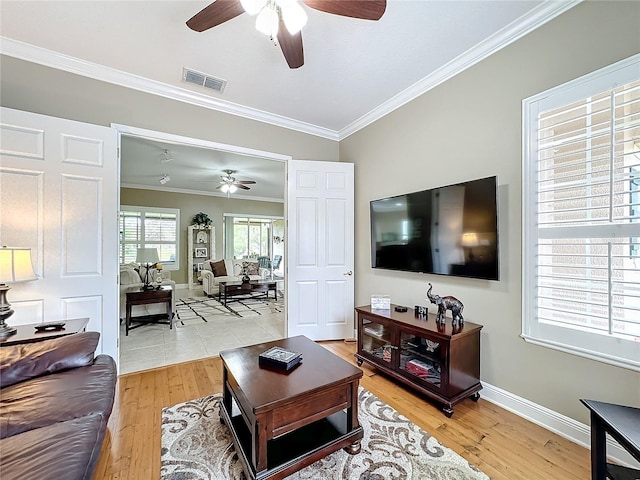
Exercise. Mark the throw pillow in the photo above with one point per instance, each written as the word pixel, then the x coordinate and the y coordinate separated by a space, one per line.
pixel 251 268
pixel 219 269
pixel 24 361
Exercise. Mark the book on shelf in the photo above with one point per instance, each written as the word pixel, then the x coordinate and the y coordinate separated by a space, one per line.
pixel 280 358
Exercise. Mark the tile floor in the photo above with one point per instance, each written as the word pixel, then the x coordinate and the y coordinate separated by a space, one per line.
pixel 155 345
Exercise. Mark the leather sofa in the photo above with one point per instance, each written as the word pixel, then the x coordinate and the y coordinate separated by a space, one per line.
pixel 233 269
pixel 130 281
pixel 55 400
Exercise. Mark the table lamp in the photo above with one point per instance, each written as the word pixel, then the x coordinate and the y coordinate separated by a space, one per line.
pixel 15 266
pixel 147 257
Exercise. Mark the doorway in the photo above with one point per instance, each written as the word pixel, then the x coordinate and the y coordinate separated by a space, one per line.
pixel 154 345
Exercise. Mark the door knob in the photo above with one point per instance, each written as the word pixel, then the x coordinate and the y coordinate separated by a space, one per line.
pixel 349 273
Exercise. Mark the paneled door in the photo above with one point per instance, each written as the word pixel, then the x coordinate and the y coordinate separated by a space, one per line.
pixel 59 196
pixel 319 277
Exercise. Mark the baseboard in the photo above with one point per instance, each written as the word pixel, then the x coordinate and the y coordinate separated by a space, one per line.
pixel 557 423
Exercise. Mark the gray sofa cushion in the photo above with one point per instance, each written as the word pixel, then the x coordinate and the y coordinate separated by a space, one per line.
pixel 62 396
pixel 24 361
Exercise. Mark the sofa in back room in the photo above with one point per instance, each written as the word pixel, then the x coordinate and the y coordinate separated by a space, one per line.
pixel 56 397
pixel 228 270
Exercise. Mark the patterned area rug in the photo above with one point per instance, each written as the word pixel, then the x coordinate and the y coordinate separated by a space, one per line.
pixel 194 311
pixel 196 446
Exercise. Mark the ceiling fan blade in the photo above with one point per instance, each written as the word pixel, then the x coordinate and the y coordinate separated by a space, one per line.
pixel 218 12
pixel 243 187
pixel 245 182
pixel 365 9
pixel 291 46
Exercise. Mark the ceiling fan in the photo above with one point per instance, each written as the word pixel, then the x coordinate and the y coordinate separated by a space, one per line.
pixel 229 184
pixel 284 19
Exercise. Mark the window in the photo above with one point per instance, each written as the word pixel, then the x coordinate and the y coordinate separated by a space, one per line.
pixel 248 236
pixel 581 269
pixel 145 227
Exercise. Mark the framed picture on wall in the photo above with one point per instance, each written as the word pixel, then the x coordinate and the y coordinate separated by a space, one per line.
pixel 199 266
pixel 201 252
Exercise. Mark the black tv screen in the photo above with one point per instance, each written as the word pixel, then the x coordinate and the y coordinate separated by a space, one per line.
pixel 451 230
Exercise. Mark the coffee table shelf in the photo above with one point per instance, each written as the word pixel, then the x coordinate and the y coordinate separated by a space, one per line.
pixel 293 448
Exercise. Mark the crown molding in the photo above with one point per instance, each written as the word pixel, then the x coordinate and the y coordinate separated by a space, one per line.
pixel 67 63
pixel 545 12
pixel 537 17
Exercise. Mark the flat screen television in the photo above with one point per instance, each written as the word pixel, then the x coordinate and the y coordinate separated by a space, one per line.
pixel 450 230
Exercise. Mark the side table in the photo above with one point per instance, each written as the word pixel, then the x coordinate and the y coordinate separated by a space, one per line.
pixel 145 297
pixel 623 424
pixel 29 334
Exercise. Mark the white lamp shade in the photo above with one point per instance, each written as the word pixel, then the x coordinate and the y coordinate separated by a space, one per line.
pixel 294 17
pixel 147 255
pixel 252 7
pixel 15 265
pixel 470 239
pixel 232 188
pixel 268 21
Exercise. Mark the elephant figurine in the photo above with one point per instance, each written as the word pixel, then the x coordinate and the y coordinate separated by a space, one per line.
pixel 444 304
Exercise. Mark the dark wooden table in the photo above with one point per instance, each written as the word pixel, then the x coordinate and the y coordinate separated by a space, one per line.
pixel 146 297
pixel 283 421
pixel 253 289
pixel 623 424
pixel 29 334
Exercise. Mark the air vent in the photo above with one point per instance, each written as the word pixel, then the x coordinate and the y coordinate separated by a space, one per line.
pixel 203 80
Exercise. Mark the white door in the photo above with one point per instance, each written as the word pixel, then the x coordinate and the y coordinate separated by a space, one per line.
pixel 59 196
pixel 319 276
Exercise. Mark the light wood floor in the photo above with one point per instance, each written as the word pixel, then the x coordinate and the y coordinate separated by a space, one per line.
pixel 501 444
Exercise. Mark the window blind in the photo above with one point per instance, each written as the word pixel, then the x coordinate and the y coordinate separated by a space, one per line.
pixel 588 213
pixel 581 216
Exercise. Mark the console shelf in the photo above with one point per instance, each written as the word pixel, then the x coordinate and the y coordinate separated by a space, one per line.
pixel 440 361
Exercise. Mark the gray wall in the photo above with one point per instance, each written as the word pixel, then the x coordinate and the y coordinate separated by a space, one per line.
pixel 470 127
pixel 38 89
pixel 189 205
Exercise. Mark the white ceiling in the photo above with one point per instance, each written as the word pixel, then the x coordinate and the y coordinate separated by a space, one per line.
pixel 197 170
pixel 355 70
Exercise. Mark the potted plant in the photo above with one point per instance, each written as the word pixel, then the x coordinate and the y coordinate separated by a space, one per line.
pixel 201 219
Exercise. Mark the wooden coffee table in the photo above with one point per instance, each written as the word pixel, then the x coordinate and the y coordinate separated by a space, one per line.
pixel 230 291
pixel 283 421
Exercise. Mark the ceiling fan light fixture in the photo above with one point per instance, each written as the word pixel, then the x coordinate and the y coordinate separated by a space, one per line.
pixel 293 16
pixel 268 20
pixel 232 189
pixel 253 7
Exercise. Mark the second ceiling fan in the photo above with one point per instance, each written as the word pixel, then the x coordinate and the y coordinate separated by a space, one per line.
pixel 229 184
pixel 284 19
